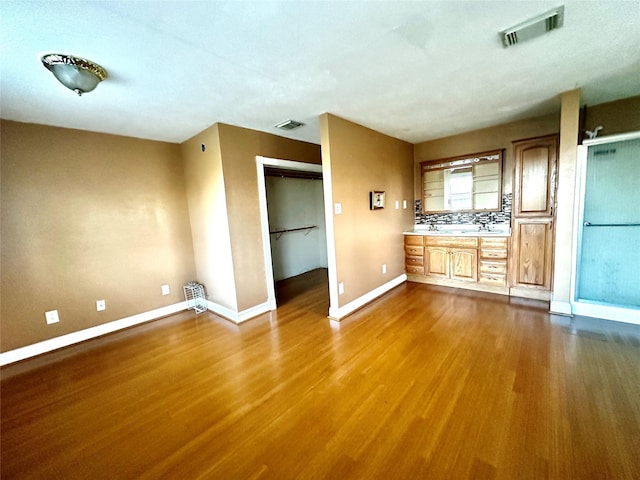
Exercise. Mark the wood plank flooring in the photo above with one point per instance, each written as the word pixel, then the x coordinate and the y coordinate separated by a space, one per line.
pixel 426 382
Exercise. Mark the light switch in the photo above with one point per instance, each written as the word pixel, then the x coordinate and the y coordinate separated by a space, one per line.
pixel 404 204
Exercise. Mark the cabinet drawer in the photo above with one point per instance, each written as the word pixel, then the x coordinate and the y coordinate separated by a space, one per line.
pixel 493 267
pixel 464 242
pixel 413 240
pixel 413 251
pixel 414 261
pixel 487 253
pixel 493 242
pixel 493 279
pixel 414 269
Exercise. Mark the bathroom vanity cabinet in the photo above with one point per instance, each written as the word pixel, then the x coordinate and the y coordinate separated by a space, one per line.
pixel 414 254
pixel 452 258
pixel 470 261
pixel 493 258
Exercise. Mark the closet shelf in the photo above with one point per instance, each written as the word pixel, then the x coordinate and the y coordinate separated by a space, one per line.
pixel 279 233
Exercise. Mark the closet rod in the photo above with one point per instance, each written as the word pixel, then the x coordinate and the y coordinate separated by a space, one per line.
pixel 279 233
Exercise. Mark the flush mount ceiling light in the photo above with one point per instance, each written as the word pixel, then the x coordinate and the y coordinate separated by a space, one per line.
pixel 75 73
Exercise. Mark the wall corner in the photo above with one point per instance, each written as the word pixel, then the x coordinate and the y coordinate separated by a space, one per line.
pixel 566 195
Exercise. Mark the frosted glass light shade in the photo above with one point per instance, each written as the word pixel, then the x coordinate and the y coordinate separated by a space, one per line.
pixel 75 73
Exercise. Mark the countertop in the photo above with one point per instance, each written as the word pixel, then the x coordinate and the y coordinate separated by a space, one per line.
pixel 461 231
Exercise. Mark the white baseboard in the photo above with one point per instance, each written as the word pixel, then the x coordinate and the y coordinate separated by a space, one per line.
pixel 341 312
pixel 239 317
pixel 607 312
pixel 221 310
pixel 561 308
pixel 45 346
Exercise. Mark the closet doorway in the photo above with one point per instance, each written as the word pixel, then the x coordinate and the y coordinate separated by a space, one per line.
pixel 293 229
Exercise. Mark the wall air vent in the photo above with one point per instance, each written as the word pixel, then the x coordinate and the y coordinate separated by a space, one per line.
pixel 289 125
pixel 532 28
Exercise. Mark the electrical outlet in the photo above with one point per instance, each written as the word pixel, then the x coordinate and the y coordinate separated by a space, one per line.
pixel 338 208
pixel 165 289
pixel 52 317
pixel 384 268
pixel 101 305
pixel 340 288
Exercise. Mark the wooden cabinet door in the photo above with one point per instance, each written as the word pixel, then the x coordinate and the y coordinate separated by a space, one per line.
pixel 532 258
pixel 535 176
pixel 464 264
pixel 437 261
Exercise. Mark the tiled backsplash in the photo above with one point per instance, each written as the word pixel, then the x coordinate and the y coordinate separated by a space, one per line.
pixel 466 218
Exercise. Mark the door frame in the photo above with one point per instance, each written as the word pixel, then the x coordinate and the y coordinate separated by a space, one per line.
pixel 585 307
pixel 261 163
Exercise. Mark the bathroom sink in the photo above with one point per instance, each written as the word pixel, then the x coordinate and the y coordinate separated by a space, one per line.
pixel 460 232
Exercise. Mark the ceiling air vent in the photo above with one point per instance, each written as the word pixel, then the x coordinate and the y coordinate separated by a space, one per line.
pixel 534 27
pixel 289 125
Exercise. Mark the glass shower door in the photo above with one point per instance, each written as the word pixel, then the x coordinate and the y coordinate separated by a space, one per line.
pixel 608 267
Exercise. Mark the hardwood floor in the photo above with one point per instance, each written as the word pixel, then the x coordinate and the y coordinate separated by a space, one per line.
pixel 426 382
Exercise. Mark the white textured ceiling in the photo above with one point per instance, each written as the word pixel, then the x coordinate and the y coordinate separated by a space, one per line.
pixel 413 70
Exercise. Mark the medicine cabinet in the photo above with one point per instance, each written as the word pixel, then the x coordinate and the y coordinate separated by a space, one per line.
pixel 468 183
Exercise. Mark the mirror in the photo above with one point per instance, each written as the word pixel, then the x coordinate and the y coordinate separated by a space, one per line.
pixel 470 183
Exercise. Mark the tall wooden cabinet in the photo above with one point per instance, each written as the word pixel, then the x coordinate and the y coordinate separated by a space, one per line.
pixel 534 197
pixel 534 186
pixel 532 252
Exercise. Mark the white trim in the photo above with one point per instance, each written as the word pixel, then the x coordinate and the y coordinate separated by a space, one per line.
pixel 578 219
pixel 289 164
pixel 332 262
pixel 561 308
pixel 341 312
pixel 264 223
pixel 266 238
pixel 621 137
pixel 45 346
pixel 221 310
pixel 239 317
pixel 608 312
pixel 252 312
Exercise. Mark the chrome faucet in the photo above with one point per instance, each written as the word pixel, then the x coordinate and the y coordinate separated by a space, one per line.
pixel 484 226
pixel 432 227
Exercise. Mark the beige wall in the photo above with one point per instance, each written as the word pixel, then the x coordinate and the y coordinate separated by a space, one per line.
pixel 358 161
pixel 208 216
pixel 239 147
pixel 222 186
pixel 87 216
pixel 492 138
pixel 616 117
